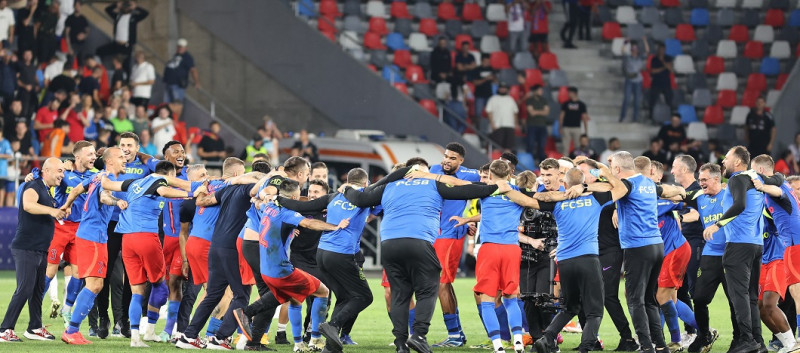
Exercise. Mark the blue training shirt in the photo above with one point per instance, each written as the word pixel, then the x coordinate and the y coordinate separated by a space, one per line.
pixel 144 206
pixel 94 214
pixel 171 220
pixel 774 245
pixel 347 240
pixel 205 218
pixel 747 226
pixel 411 209
pixel 577 220
pixel 61 192
pixel 274 249
pixel 786 213
pixel 668 225
pixel 710 209
pixel 637 213
pixel 133 170
pixel 496 211
pixel 450 208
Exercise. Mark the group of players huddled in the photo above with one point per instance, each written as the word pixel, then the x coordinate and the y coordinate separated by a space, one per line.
pixel 229 233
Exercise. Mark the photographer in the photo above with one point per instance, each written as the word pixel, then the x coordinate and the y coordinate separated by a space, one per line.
pixel 577 251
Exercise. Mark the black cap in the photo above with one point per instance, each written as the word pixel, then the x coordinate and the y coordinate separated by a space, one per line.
pixel 502 85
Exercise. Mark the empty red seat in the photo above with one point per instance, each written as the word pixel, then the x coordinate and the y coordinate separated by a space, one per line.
pixel 373 41
pixel 430 106
pixel 326 24
pixel 502 30
pixel 563 94
pixel 726 98
pixel 739 34
pixel 713 115
pixel 402 58
pixel 373 67
pixel 781 81
pixel 749 98
pixel 399 9
pixel 533 77
pixel 471 12
pixel 754 50
pixel 446 11
pixel 329 8
pixel 414 74
pixel 611 30
pixel 427 26
pixel 548 61
pixel 515 92
pixel 670 3
pixel 499 60
pixel 461 38
pixel 756 82
pixel 329 35
pixel 684 32
pixel 378 25
pixel 775 18
pixel 715 65
pixel 401 87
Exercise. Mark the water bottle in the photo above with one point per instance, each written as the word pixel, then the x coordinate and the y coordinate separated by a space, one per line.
pixel 595 172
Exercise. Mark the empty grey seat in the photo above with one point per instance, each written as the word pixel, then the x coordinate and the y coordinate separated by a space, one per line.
pixel 712 34
pixel 424 59
pixel 353 23
pixel 742 66
pixel 635 30
pixel 727 134
pixel 423 91
pixel 673 16
pixel 726 17
pixel 423 10
pixel 357 53
pixel 507 76
pixel 523 60
pixel 403 26
pixel 779 4
pixel 661 112
pixel 378 58
pixel 696 81
pixel 701 98
pixel 699 50
pixel 618 3
pixel 649 15
pixel 479 29
pixel 603 15
pixel 790 35
pixel 660 32
pixel 557 78
pixel 703 4
pixel 352 8
pixel 750 18
pixel 453 28
pixel 678 97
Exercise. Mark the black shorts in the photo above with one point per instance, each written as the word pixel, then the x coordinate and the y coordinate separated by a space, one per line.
pixel 538 38
pixel 505 137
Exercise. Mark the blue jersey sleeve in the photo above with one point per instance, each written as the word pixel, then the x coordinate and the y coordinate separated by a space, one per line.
pixel 151 164
pixel 291 217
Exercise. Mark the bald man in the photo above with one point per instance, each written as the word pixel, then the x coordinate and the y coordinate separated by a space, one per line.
pixel 35 227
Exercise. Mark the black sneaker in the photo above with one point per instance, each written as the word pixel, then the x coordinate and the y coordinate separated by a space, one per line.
pixel 102 329
pixel 259 347
pixel 746 347
pixel 331 334
pixel 627 345
pixel 125 329
pixel 419 344
pixel 544 345
pixel 280 338
pixel 244 323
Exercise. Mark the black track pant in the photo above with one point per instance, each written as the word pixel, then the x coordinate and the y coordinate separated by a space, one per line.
pixel 582 288
pixel 742 264
pixel 348 326
pixel 30 271
pixel 534 277
pixel 642 266
pixel 611 261
pixel 711 276
pixel 261 321
pixel 190 292
pixel 412 269
pixel 345 278
pixel 686 291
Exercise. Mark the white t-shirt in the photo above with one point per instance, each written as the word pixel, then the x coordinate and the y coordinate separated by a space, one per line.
pixel 604 156
pixel 503 109
pixel 142 73
pixel 516 18
pixel 53 70
pixel 123 28
pixel 6 21
pixel 164 135
pixel 65 8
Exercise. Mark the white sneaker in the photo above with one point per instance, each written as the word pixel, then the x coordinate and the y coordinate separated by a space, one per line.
pixel 519 347
pixel 135 343
pixel 300 348
pixel 219 345
pixel 791 349
pixel 9 336
pixel 39 334
pixel 190 343
pixel 151 337
pixel 687 339
pixel 316 344
pixel 241 342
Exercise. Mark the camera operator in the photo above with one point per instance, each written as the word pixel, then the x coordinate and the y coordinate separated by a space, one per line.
pixel 577 252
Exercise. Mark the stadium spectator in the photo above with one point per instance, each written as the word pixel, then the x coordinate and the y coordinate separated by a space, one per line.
pixel 176 74
pixel 694 148
pixel 585 9
pixel 6 24
pixel 787 164
pixel 655 152
pixel 147 146
pixel 45 23
pixel 45 117
pixel 126 15
pixel 8 76
pixel 65 81
pixel 568 30
pixel 27 84
pixel 140 121
pixel 441 61
pixel 125 101
pixel 632 66
pixel 483 80
pixel 254 148
pixel 517 33
pixel 674 132
pixel 24 138
pixel 76 30
pixel 86 112
pixel 573 113
pixel 613 147
pixel 271 135
pixel 455 114
pixel 143 75
pixel 68 112
pixel 120 77
pixel 795 147
pixel 673 150
pixel 163 127
pixel 54 68
pixel 57 141
pixel 12 116
pixel 539 26
pixel 660 70
pixel 6 154
pixel 465 65
pixel 66 8
pixel 305 148
pixel 104 137
pixel 26 38
pixel 583 149
pixel 121 122
pixel 536 124
pixel 502 111
pixel 91 85
pixel 760 129
pixel 211 147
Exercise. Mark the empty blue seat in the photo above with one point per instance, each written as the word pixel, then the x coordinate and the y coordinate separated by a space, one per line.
pixel 643 3
pixel 687 113
pixel 770 66
pixel 395 41
pixel 393 74
pixel 699 17
pixel 673 47
pixel 525 160
pixel 794 18
pixel 306 8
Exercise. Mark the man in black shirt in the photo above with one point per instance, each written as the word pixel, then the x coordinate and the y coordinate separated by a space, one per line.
pixel 305 148
pixel 660 70
pixel 573 113
pixel 34 232
pixel 655 153
pixel 64 81
pixel 483 80
pixel 683 169
pixel 674 132
pixel 27 84
pixel 441 62
pixel 211 147
pixel 46 22
pixel 26 38
pixel 760 129
pixel 465 64
pixel 76 29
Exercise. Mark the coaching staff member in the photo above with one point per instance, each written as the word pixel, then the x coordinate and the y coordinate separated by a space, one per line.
pixel 34 232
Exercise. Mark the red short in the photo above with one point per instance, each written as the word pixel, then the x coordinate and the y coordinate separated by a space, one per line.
pixel 298 285
pixel 63 243
pixel 172 256
pixel 143 257
pixel 791 259
pixel 244 268
pixel 384 280
pixel 92 258
pixel 556 277
pixel 674 267
pixel 497 269
pixel 197 254
pixel 773 278
pixel 449 253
